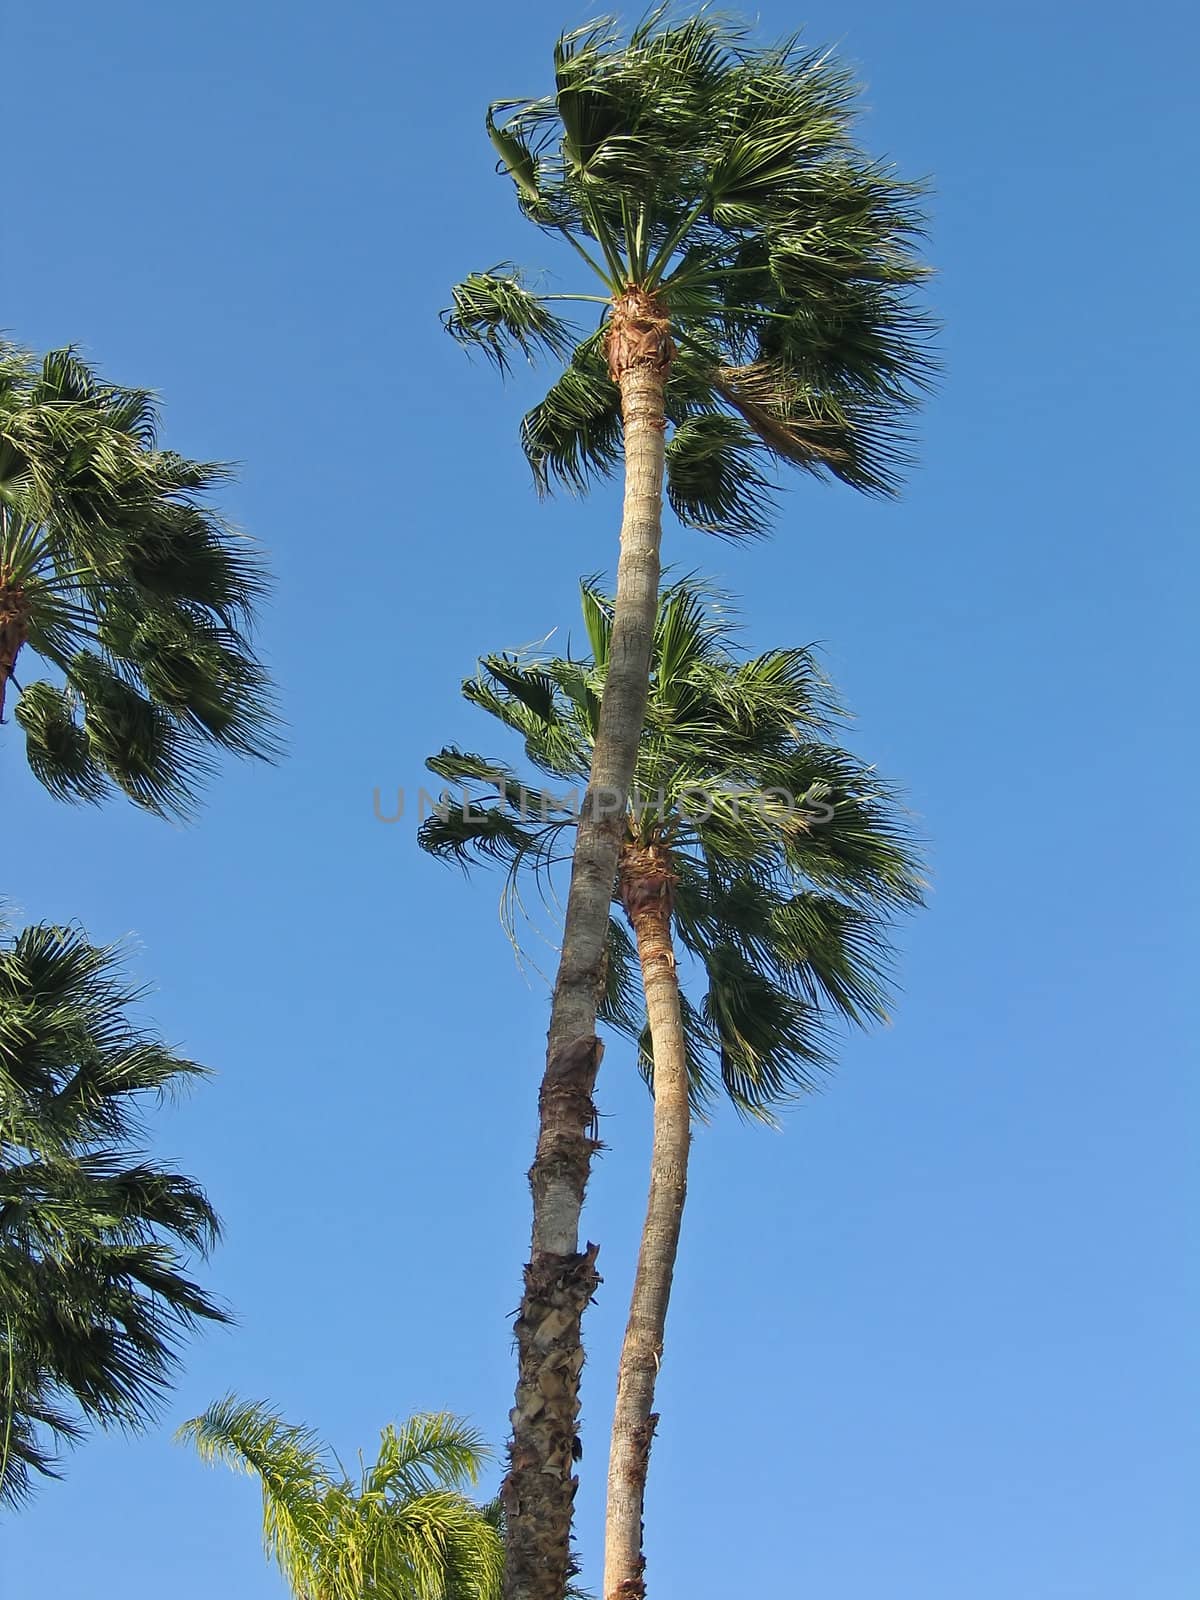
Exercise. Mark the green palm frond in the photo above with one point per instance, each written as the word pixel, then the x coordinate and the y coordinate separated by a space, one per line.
pixel 405 1531
pixel 496 314
pixel 120 577
pixel 621 1005
pixel 479 833
pixel 574 434
pixel 290 1464
pixel 542 705
pixel 597 622
pixel 95 1239
pixel 792 857
pixel 714 480
pixel 32 1436
pixel 135 741
pixel 770 1040
pixel 430 1451
pixel 57 747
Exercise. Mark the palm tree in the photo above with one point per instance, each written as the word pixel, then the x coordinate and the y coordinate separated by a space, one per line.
pixel 406 1530
pixel 752 271
pixel 767 857
pixel 117 574
pixel 94 1236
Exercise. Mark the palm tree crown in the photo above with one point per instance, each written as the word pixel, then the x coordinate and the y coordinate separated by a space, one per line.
pixel 736 234
pixel 120 578
pixel 406 1530
pixel 94 1237
pixel 783 857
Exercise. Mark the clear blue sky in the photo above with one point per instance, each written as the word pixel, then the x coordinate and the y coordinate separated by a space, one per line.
pixel 933 1340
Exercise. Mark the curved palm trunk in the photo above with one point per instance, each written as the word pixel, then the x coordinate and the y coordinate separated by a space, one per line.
pixel 539 1490
pixel 646 891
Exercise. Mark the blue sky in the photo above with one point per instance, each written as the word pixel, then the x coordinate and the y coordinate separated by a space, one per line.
pixel 933 1340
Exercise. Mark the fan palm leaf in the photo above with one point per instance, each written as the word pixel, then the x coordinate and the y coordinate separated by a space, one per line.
pixel 117 576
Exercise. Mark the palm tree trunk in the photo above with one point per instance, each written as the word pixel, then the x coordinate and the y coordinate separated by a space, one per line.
pixel 560 1279
pixel 648 900
pixel 14 620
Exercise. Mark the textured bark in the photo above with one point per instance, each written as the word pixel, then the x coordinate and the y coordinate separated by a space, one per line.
pixel 647 885
pixel 639 335
pixel 539 1489
pixel 14 623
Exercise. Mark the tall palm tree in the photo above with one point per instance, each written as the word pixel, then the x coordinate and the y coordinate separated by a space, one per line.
pixel 116 573
pixel 406 1530
pixel 94 1236
pixel 752 272
pixel 768 858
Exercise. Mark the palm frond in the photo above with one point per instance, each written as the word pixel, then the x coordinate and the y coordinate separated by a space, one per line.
pixel 467 832
pixel 496 314
pixel 516 159
pixel 531 702
pixel 791 856
pixel 95 1238
pixel 621 1006
pixel 291 1466
pixel 822 433
pixel 714 482
pixel 597 622
pixel 56 746
pixel 136 742
pixel 430 1451
pixel 574 434
pixel 771 1043
pixel 405 1531
pixel 118 574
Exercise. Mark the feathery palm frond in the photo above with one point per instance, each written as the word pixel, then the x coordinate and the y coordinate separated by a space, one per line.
pixel 94 1237
pixel 290 1464
pixel 405 1531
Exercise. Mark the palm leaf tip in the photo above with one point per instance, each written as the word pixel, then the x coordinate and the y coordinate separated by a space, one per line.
pixel 515 158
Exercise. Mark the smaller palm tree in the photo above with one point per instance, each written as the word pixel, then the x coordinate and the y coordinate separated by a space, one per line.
pixel 405 1530
pixel 118 576
pixel 753 847
pixel 94 1237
